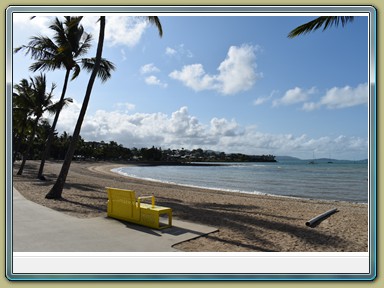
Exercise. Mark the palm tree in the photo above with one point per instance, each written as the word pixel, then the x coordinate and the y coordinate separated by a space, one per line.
pixel 327 21
pixel 57 189
pixel 21 112
pixel 65 50
pixel 39 101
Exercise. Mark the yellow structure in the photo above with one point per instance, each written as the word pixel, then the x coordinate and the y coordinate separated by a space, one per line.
pixel 123 205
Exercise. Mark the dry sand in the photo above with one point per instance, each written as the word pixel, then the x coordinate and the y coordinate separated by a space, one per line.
pixel 249 223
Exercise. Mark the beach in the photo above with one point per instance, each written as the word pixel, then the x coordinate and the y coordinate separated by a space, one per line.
pixel 245 222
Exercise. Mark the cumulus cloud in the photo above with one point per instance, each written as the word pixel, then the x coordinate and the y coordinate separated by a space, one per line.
pixel 153 80
pixel 236 73
pixel 123 30
pixel 224 127
pixel 338 98
pixel 194 76
pixel 347 96
pixel 119 30
pixel 149 68
pixel 170 51
pixel 334 98
pixel 181 129
pixel 294 96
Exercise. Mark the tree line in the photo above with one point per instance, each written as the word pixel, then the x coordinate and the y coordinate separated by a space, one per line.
pixel 112 151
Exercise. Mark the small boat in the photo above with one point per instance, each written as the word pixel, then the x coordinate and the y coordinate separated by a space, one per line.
pixel 313 161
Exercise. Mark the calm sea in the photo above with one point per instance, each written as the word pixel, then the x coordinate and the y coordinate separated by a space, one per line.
pixel 329 181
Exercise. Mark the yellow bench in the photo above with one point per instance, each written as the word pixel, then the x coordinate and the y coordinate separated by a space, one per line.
pixel 123 205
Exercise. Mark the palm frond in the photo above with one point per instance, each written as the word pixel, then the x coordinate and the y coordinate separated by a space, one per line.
pixel 156 21
pixel 84 46
pixel 45 65
pixel 75 71
pixel 105 70
pixel 327 21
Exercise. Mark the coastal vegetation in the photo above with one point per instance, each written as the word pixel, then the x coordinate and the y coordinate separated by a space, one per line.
pixel 112 151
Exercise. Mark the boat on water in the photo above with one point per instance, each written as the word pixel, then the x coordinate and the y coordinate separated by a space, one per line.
pixel 313 159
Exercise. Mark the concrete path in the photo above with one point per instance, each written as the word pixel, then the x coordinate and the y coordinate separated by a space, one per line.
pixel 37 228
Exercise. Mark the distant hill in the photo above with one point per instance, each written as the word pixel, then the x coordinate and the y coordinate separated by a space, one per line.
pixel 319 160
pixel 287 158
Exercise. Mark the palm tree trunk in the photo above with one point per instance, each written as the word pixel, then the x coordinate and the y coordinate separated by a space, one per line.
pixel 57 189
pixel 30 142
pixel 19 140
pixel 52 131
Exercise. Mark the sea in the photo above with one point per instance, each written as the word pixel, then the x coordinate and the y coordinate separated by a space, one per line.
pixel 338 181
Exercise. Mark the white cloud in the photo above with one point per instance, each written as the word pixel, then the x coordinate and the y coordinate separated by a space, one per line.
pixel 153 80
pixel 181 129
pixel 345 97
pixel 294 96
pixel 170 51
pixel 235 74
pixel 334 98
pixel 38 25
pixel 119 30
pixel 261 100
pixel 179 51
pixel 123 30
pixel 338 98
pixel 149 68
pixel 224 127
pixel 194 76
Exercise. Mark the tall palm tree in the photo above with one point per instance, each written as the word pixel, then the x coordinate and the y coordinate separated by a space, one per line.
pixel 65 50
pixel 21 111
pixel 57 189
pixel 327 21
pixel 40 101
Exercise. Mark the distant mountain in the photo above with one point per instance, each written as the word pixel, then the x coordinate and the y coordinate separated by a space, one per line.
pixel 318 160
pixel 287 158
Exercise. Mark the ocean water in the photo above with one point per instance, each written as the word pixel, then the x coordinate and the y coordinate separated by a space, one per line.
pixel 329 181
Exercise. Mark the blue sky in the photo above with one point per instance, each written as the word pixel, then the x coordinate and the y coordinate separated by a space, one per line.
pixel 226 83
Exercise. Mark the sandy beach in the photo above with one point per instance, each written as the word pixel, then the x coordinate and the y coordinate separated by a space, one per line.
pixel 246 223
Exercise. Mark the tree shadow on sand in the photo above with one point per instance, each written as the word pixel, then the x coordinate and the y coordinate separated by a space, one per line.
pixel 239 221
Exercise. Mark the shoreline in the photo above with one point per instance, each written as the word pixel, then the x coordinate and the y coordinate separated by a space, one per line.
pixel 246 222
pixel 218 188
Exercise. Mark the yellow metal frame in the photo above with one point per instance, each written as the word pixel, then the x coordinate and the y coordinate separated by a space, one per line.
pixel 123 205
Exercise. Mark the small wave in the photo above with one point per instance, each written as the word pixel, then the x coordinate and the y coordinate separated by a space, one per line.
pixel 293 183
pixel 119 171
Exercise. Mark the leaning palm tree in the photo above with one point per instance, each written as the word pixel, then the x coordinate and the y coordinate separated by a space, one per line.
pixel 65 50
pixel 326 21
pixel 40 102
pixel 57 189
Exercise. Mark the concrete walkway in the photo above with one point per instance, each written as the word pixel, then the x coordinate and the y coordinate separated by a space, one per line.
pixel 37 228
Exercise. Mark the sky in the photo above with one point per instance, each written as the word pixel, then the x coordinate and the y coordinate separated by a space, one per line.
pixel 227 83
